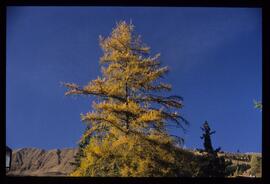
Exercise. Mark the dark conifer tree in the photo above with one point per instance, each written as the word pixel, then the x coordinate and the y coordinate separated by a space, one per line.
pixel 207 138
pixel 214 166
pixel 81 145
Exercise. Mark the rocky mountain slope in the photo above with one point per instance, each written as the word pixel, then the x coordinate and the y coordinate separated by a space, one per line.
pixel 38 162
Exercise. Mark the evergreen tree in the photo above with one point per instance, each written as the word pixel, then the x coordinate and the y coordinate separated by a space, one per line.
pixel 207 139
pixel 128 126
pixel 212 164
pixel 81 145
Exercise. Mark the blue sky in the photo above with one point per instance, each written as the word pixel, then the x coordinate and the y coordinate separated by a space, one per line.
pixel 214 56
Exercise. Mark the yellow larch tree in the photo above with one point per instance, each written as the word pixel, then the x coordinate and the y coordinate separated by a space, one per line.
pixel 128 125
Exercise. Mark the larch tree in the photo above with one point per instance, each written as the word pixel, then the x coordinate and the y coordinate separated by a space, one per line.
pixel 128 124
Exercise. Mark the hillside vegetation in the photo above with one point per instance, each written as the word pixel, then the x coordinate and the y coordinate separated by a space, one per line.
pixel 38 162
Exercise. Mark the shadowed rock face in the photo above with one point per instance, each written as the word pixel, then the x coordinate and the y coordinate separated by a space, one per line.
pixel 38 162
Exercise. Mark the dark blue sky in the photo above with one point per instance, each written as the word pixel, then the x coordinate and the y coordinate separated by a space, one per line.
pixel 214 54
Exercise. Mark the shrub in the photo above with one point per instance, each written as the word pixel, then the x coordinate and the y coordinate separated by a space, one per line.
pixel 256 165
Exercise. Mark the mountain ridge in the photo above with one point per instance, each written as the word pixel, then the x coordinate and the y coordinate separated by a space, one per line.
pixel 40 162
pixel 56 162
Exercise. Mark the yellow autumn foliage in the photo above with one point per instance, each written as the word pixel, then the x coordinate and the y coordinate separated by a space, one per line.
pixel 128 134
